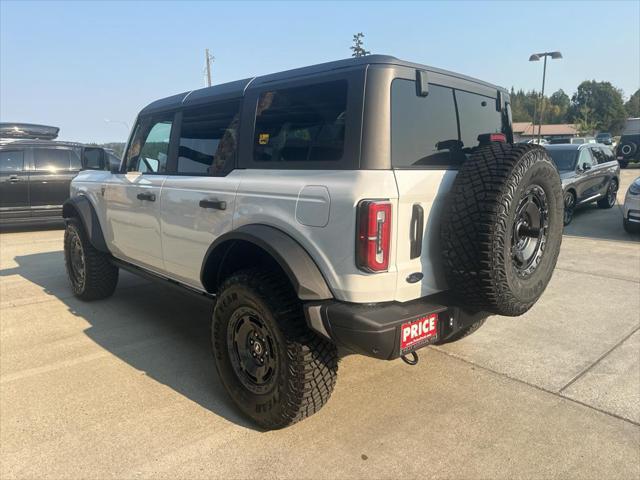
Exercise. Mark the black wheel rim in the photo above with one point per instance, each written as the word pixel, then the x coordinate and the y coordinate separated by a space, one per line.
pixel 611 194
pixel 569 204
pixel 76 262
pixel 530 229
pixel 252 350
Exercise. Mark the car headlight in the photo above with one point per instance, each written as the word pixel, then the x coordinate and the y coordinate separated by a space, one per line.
pixel 634 189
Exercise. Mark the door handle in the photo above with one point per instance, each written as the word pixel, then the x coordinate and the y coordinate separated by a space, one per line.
pixel 213 203
pixel 148 196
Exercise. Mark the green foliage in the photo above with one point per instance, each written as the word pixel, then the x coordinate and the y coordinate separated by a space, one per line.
pixel 358 46
pixel 604 103
pixel 584 122
pixel 632 107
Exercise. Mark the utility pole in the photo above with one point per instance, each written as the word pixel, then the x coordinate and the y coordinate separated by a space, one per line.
pixel 209 60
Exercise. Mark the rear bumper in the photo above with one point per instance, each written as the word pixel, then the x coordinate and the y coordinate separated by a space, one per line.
pixel 374 329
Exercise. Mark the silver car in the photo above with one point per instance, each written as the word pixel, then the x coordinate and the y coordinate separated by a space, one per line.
pixel 631 208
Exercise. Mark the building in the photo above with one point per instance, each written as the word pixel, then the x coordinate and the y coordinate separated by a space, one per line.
pixel 523 131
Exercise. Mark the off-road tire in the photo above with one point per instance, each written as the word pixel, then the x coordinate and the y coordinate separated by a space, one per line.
pixel 610 198
pixel 100 276
pixel 306 364
pixel 569 207
pixel 479 223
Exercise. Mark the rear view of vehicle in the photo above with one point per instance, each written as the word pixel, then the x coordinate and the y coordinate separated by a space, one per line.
pixel 628 149
pixel 371 204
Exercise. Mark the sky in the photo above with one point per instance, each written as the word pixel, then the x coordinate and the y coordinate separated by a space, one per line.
pixel 75 64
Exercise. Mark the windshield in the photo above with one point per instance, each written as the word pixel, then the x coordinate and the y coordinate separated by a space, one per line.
pixel 565 160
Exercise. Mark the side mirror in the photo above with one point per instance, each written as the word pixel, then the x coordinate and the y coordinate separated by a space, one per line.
pixel 585 167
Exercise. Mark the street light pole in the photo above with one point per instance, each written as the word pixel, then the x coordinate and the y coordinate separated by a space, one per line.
pixel 534 58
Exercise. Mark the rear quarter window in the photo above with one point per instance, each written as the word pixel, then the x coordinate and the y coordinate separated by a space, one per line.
pixel 301 124
pixel 478 116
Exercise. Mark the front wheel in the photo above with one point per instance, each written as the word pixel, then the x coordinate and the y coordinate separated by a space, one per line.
pixel 273 366
pixel 569 207
pixel 610 198
pixel 91 274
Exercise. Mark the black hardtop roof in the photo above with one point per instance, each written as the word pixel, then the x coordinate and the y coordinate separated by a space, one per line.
pixel 236 89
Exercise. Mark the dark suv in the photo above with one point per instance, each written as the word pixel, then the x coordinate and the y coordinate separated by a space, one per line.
pixel 589 173
pixel 629 147
pixel 35 176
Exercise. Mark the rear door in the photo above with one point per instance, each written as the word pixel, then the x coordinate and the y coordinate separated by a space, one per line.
pixel 14 185
pixel 49 181
pixel 198 196
pixel 133 198
pixel 430 137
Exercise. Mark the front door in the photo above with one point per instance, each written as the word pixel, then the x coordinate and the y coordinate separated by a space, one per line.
pixel 198 197
pixel 133 198
pixel 14 185
pixel 587 182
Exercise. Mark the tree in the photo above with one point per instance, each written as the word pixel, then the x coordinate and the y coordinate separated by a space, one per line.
pixel 604 101
pixel 584 123
pixel 632 107
pixel 557 107
pixel 358 46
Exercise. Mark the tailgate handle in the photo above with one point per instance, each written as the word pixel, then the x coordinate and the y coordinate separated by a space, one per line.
pixel 417 229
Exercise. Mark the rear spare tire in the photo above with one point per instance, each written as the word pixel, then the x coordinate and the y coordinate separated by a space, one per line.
pixel 502 228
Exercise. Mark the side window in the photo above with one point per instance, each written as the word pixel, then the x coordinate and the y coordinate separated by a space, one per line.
pixel 76 163
pixel 608 154
pixel 478 116
pixel 598 156
pixel 301 124
pixel 585 159
pixel 208 139
pixel 52 159
pixel 11 161
pixel 149 149
pixel 94 159
pixel 424 130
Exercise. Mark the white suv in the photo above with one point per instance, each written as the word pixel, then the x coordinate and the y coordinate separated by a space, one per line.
pixel 370 203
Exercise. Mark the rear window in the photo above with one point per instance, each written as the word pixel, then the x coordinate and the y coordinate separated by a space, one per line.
pixel 424 130
pixel 11 161
pixel 301 124
pixel 478 116
pixel 438 130
pixel 208 139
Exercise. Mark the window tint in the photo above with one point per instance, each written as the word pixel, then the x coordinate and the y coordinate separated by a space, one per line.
pixel 564 159
pixel 50 159
pixel 608 154
pixel 301 124
pixel 598 156
pixel 424 130
pixel 150 147
pixel 585 159
pixel 11 161
pixel 478 116
pixel 94 158
pixel 208 139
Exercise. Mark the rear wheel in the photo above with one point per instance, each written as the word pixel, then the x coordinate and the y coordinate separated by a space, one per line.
pixel 90 271
pixel 502 228
pixel 610 197
pixel 569 207
pixel 273 366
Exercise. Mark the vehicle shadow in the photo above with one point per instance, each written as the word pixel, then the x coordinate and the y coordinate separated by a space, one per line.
pixel 606 224
pixel 153 328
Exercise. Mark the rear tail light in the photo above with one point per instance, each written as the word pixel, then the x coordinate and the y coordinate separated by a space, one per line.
pixel 374 235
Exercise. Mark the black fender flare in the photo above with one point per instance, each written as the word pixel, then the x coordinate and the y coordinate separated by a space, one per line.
pixel 303 273
pixel 82 208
